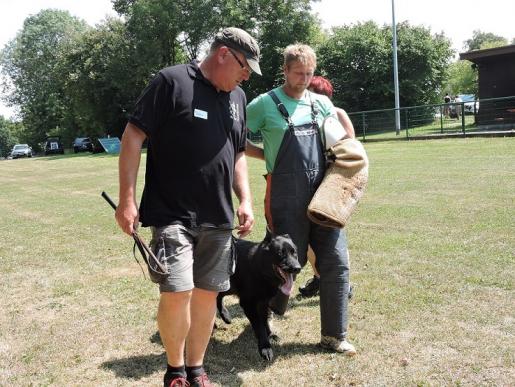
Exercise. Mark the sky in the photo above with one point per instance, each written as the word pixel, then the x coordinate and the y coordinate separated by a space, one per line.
pixel 456 19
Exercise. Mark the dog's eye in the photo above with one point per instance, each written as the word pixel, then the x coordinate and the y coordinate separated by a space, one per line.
pixel 286 253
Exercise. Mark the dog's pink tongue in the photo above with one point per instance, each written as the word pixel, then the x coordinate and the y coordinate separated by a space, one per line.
pixel 288 285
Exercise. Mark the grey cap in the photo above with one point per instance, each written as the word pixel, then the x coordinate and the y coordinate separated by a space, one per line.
pixel 240 40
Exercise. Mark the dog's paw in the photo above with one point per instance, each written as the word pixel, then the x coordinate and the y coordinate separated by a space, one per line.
pixel 273 337
pixel 267 353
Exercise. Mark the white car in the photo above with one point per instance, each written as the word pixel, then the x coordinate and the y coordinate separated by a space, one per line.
pixel 21 150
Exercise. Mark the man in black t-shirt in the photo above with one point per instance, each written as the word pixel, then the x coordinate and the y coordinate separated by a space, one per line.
pixel 193 116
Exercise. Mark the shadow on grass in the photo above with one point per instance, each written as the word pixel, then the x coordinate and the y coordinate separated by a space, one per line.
pixel 136 367
pixel 225 359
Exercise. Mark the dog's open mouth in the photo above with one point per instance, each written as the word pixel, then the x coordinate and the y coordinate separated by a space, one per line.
pixel 287 279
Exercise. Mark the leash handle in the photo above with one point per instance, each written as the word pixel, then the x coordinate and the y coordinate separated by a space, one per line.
pixel 108 199
pixel 140 243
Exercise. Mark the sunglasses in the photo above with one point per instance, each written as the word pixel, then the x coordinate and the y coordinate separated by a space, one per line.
pixel 240 62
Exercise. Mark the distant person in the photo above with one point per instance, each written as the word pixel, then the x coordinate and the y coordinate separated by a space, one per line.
pixel 446 108
pixel 321 85
pixel 457 106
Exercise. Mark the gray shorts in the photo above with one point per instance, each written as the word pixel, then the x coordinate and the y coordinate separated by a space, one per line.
pixel 201 257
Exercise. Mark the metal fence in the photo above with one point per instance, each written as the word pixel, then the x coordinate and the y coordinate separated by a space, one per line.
pixel 426 121
pixel 429 121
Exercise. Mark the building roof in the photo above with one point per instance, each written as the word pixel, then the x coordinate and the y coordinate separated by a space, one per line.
pixel 478 55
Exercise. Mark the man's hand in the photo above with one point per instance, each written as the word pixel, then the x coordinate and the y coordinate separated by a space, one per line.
pixel 127 217
pixel 245 219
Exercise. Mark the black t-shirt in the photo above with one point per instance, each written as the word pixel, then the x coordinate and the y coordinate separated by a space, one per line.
pixel 194 133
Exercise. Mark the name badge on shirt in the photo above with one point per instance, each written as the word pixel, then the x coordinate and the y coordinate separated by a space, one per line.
pixel 200 114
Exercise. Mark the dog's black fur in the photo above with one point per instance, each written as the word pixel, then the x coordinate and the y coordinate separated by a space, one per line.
pixel 262 270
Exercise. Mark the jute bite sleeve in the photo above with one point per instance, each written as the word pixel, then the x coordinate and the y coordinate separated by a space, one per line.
pixel 343 185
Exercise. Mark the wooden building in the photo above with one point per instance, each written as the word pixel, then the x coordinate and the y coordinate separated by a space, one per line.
pixel 496 78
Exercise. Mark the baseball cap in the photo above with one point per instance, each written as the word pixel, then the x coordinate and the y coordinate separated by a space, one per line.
pixel 240 40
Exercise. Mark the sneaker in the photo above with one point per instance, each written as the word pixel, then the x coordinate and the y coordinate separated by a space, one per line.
pixel 201 381
pixel 179 382
pixel 337 345
pixel 310 289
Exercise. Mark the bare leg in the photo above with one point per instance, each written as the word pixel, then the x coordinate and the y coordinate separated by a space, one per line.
pixel 173 320
pixel 203 310
pixel 312 259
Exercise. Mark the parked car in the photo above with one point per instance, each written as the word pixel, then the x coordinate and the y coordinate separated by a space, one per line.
pixel 53 145
pixel 97 146
pixel 82 144
pixel 21 150
pixel 469 101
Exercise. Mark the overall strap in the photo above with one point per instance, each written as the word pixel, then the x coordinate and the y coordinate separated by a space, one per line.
pixel 281 107
pixel 314 112
pixel 286 116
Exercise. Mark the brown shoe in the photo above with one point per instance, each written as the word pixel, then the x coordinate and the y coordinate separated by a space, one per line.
pixel 201 381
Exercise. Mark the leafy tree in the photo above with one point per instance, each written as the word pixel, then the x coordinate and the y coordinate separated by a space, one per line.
pixel 462 78
pixel 481 40
pixel 493 44
pixel 164 31
pixel 32 63
pixel 171 29
pixel 101 83
pixel 10 134
pixel 358 60
pixel 275 24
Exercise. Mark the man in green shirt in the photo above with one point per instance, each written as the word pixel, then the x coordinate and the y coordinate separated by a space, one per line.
pixel 289 118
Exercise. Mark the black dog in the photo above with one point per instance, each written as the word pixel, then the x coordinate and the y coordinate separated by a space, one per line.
pixel 262 270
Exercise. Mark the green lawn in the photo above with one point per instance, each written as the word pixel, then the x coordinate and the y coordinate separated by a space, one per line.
pixel 433 264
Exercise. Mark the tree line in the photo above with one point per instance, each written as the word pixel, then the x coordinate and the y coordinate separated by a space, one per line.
pixel 71 79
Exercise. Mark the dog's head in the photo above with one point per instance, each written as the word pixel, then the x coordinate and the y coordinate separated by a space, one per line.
pixel 285 262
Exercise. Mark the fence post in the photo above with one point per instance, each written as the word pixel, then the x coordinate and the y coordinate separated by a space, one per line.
pixel 364 126
pixel 441 120
pixel 463 117
pixel 475 112
pixel 406 115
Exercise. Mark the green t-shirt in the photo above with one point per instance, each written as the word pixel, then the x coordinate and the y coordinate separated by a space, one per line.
pixel 264 117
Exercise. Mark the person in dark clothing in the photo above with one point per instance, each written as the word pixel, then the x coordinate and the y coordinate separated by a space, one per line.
pixel 446 108
pixel 193 116
pixel 288 118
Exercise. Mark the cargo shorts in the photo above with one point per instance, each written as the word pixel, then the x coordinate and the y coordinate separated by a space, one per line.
pixel 202 257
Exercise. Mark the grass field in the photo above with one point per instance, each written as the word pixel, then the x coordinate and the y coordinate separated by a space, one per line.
pixel 433 267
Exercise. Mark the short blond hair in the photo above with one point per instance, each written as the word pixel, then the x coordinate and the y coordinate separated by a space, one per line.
pixel 299 53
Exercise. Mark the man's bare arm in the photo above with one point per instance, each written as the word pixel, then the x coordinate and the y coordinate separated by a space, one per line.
pixel 127 214
pixel 254 151
pixel 242 190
